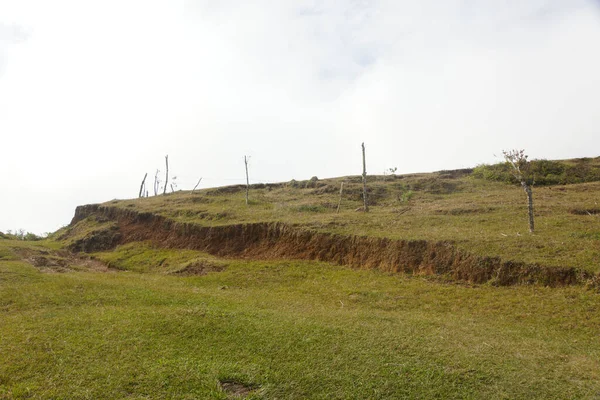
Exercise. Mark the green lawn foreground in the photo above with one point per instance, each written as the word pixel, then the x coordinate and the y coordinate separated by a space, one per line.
pixel 289 330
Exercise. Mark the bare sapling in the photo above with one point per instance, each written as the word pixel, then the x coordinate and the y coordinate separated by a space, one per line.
pixel 340 200
pixel 156 182
pixel 142 186
pixel 166 173
pixel 246 158
pixel 199 180
pixel 364 179
pixel 521 171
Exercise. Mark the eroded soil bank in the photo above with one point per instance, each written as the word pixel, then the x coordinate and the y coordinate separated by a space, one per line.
pixel 279 240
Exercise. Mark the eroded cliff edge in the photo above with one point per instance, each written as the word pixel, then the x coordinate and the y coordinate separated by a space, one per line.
pixel 283 241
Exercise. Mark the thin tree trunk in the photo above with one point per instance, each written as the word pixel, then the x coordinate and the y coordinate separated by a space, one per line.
pixel 247 179
pixel 156 183
pixel 529 192
pixel 166 173
pixel 172 190
pixel 364 179
pixel 142 185
pixel 340 201
pixel 199 180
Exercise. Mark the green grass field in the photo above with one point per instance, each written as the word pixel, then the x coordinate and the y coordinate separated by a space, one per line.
pixel 146 322
pixel 287 330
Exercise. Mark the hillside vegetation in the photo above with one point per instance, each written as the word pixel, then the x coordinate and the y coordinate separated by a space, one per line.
pixel 200 296
pixel 209 328
pixel 546 172
pixel 485 217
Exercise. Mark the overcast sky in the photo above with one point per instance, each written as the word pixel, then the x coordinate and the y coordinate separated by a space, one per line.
pixel 93 94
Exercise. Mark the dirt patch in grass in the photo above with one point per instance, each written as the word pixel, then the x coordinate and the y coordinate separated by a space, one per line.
pixel 59 261
pixel 199 268
pixel 585 211
pixel 236 389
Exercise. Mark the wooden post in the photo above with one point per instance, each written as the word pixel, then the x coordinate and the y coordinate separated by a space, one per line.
pixel 142 185
pixel 340 201
pixel 166 173
pixel 156 182
pixel 364 179
pixel 199 180
pixel 528 190
pixel 247 180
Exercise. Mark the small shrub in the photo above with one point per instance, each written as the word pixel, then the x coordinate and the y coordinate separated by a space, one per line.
pixel 20 234
pixel 543 172
pixel 545 169
pixel 312 182
pixel 406 196
pixel 497 172
pixel 32 237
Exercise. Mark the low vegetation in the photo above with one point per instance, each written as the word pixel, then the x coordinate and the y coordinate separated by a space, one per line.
pixel 85 315
pixel 486 217
pixel 20 234
pixel 286 329
pixel 546 172
pixel 145 257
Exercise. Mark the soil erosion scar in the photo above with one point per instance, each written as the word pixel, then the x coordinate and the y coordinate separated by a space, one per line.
pixel 279 240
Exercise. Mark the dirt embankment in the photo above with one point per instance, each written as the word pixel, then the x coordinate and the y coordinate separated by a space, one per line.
pixel 56 261
pixel 279 240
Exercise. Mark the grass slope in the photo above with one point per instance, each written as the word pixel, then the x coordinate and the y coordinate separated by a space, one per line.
pixel 481 216
pixel 163 323
pixel 288 330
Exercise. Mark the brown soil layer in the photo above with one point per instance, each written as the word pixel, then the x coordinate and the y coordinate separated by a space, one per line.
pixel 59 261
pixel 279 240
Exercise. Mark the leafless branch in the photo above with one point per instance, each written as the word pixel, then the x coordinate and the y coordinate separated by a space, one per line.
pixel 166 173
pixel 142 185
pixel 199 180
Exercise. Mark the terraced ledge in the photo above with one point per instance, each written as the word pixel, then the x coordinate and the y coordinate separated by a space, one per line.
pixel 281 241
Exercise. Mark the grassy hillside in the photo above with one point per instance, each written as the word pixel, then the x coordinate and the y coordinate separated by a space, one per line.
pixel 482 216
pixel 145 319
pixel 283 329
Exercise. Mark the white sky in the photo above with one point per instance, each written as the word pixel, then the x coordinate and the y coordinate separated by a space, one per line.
pixel 93 94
